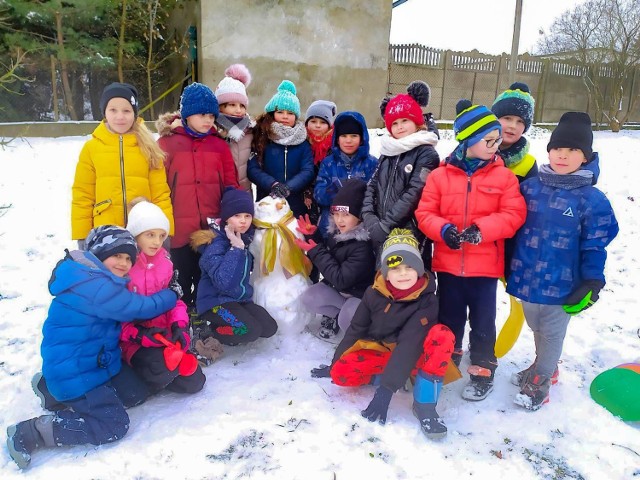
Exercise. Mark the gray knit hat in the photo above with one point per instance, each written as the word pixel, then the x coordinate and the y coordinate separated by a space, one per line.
pixel 107 240
pixel 401 246
pixel 322 109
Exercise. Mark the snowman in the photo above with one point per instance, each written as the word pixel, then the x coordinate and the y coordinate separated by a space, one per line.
pixel 281 270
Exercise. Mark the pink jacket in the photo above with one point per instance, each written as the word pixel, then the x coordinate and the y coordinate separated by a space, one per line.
pixel 149 275
pixel 490 198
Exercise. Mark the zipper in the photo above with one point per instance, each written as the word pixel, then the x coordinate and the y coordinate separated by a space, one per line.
pixel 123 183
pixel 174 182
pixel 244 275
pixel 393 176
pixel 285 163
pixel 464 218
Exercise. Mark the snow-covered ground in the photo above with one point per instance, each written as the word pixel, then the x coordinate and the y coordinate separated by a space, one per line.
pixel 261 416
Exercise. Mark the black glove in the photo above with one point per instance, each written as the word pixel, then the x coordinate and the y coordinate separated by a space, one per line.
pixel 377 409
pixel 451 237
pixel 145 336
pixel 178 335
pixel 471 235
pixel 377 234
pixel 280 190
pixel 583 297
pixel 323 371
pixel 174 286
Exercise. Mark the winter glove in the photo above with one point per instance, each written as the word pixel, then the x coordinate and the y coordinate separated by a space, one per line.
pixel 178 334
pixel 584 297
pixel 210 348
pixel 471 235
pixel 323 371
pixel 280 190
pixel 304 225
pixel 145 336
pixel 377 409
pixel 377 234
pixel 305 246
pixel 174 286
pixel 234 237
pixel 451 237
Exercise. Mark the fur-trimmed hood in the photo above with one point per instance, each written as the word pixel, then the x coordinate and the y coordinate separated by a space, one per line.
pixel 167 122
pixel 200 238
pixel 357 233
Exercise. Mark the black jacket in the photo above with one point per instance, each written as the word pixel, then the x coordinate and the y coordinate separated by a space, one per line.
pixel 401 325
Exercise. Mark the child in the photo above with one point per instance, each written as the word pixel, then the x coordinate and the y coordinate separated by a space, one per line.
pixel 563 274
pixel 199 165
pixel 349 158
pixel 468 207
pixel 393 332
pixel 152 272
pixel 282 162
pixel 344 259
pixel 80 353
pixel 408 155
pixel 514 109
pixel 122 161
pixel 319 122
pixel 225 307
pixel 233 122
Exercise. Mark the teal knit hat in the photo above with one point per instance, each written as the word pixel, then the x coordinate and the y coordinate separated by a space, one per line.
pixel 284 99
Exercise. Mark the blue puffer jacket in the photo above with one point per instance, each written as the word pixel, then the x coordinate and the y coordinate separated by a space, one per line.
pixel 80 349
pixel 333 170
pixel 290 164
pixel 225 272
pixel 562 242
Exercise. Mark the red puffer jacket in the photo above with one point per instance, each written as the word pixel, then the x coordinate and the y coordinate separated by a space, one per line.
pixel 490 198
pixel 198 170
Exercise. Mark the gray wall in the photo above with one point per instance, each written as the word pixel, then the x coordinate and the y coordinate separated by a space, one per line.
pixel 334 49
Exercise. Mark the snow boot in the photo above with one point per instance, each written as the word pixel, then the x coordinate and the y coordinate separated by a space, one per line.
pixel 47 401
pixel 425 398
pixel 534 393
pixel 329 327
pixel 25 437
pixel 520 378
pixel 480 384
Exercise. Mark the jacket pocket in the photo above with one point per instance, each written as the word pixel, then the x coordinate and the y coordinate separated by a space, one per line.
pixel 100 207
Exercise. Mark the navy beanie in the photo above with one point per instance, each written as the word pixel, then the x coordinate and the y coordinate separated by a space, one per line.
pixel 107 240
pixel 119 90
pixel 197 98
pixel 573 131
pixel 346 124
pixel 517 101
pixel 235 201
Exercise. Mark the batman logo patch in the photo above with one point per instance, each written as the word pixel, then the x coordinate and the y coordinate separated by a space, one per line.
pixel 394 261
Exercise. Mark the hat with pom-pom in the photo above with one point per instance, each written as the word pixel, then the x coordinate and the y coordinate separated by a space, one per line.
pixel 401 246
pixel 235 201
pixel 406 105
pixel 284 99
pixel 198 98
pixel 473 122
pixel 233 87
pixel 516 101
pixel 322 109
pixel 107 240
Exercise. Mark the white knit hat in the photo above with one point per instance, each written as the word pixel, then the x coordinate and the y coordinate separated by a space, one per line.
pixel 232 88
pixel 146 216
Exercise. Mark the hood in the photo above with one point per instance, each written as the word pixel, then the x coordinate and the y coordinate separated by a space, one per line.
pixel 169 123
pixel 363 150
pixel 594 167
pixel 357 233
pixel 78 268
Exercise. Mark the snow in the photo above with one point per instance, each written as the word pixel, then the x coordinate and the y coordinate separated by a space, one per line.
pixel 261 416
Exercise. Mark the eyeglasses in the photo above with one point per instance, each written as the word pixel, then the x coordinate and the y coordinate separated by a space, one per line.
pixel 493 142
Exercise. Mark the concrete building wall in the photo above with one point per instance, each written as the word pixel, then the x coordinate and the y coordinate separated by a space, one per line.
pixel 330 49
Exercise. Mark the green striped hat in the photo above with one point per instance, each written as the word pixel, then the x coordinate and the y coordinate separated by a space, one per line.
pixel 473 122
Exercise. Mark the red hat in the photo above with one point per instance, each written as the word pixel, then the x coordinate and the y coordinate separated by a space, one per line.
pixel 407 105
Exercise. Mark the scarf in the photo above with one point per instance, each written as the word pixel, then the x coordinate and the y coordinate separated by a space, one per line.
pixel 193 133
pixel 320 146
pixel 235 127
pixel 391 147
pixel 283 135
pixel 513 155
pixel 399 294
pixel 460 160
pixel 569 181
pixel 292 259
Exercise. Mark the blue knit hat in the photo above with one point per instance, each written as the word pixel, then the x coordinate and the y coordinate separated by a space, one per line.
pixel 198 98
pixel 473 122
pixel 517 101
pixel 284 99
pixel 235 201
pixel 107 240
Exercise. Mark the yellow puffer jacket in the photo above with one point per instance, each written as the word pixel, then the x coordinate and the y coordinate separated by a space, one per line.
pixel 111 172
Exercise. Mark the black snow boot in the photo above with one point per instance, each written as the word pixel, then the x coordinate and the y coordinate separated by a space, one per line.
pixel 478 388
pixel 431 424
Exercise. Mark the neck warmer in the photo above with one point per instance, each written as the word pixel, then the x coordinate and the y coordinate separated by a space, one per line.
pixel 390 146
pixel 193 133
pixel 399 294
pixel 320 145
pixel 569 181
pixel 513 155
pixel 283 135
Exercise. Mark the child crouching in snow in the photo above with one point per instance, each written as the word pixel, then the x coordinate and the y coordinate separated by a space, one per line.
pixel 394 331
pixel 226 311
pixel 152 272
pixel 345 260
pixel 87 386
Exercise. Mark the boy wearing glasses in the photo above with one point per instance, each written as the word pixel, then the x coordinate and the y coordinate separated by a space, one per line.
pixel 468 207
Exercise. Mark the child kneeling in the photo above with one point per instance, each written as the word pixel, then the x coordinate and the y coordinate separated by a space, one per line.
pixel 226 311
pixel 395 332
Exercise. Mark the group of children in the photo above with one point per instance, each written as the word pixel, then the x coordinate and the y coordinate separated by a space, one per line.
pixel 405 249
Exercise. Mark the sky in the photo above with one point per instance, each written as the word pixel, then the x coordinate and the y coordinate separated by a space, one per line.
pixel 468 24
pixel 261 416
